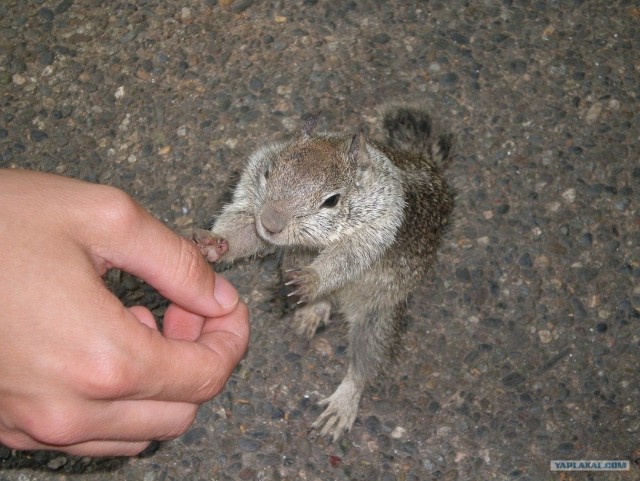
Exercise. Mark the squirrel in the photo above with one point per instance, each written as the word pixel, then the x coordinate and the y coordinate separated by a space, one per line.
pixel 358 221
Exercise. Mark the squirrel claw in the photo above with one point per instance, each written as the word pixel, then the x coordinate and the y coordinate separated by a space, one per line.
pixel 292 282
pixel 303 297
pixel 295 276
pixel 304 280
pixel 300 293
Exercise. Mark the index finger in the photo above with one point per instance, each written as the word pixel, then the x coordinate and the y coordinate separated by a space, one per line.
pixel 129 238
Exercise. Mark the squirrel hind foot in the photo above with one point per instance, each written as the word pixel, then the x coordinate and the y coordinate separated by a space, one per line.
pixel 307 319
pixel 341 410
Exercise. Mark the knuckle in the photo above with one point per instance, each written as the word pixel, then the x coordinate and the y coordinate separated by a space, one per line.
pixel 107 377
pixel 55 427
pixel 117 208
pixel 190 271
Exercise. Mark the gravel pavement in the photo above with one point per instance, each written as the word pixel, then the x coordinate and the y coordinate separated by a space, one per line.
pixel 524 344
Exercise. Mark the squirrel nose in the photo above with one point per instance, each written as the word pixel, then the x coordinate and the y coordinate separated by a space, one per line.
pixel 273 220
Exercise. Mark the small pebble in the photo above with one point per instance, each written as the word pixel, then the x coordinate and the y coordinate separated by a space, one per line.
pixel 525 260
pixel 381 38
pixel 372 425
pixel 593 113
pixel 46 57
pixel 255 83
pixel 247 474
pixel 622 205
pixel 554 206
pixel 513 379
pixel 503 209
pixel 518 66
pixel 248 444
pixel 449 78
pixel 46 13
pixel 63 6
pixel 434 67
pixel 460 38
pixel 194 435
pixel 57 462
pixel 545 336
pixel 19 79
pixel 38 135
pixel 569 195
pixel 586 239
pixel 241 5
pixel 601 327
pixel 541 262
pixel 565 448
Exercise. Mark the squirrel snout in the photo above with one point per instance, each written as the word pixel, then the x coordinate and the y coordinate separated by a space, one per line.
pixel 273 221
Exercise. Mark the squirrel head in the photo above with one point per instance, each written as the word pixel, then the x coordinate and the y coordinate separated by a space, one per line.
pixel 306 188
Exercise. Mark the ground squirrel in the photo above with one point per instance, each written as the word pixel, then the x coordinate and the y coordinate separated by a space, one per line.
pixel 358 222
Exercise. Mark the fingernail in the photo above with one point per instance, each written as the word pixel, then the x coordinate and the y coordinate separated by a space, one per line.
pixel 224 292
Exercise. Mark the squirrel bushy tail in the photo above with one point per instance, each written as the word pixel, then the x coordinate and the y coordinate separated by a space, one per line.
pixel 410 129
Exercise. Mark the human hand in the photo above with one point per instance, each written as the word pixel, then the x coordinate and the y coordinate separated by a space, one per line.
pixel 79 372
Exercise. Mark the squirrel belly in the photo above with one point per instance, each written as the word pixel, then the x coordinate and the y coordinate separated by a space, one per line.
pixel 359 222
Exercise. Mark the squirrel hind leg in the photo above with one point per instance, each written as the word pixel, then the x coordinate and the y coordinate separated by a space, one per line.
pixel 372 337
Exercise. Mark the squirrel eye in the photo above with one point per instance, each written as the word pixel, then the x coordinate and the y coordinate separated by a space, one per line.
pixel 331 201
pixel 266 173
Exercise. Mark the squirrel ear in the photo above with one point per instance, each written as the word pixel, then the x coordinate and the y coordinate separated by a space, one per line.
pixel 310 125
pixel 358 151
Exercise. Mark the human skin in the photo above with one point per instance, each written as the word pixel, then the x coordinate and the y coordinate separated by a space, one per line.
pixel 79 371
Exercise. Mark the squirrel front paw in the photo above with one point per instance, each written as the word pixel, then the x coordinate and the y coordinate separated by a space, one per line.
pixel 210 245
pixel 305 281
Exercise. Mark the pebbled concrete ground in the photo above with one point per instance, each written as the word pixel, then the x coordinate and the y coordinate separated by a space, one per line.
pixel 524 344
